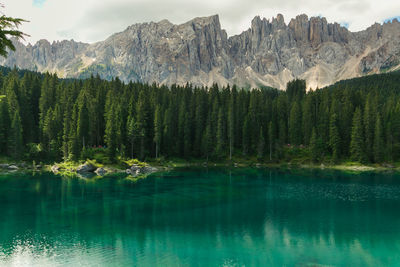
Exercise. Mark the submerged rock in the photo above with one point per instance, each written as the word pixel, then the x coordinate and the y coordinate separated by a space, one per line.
pixel 12 167
pixel 4 166
pixel 100 171
pixel 86 167
pixel 55 169
pixel 136 170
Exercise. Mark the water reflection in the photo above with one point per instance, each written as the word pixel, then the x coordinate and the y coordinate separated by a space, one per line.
pixel 197 217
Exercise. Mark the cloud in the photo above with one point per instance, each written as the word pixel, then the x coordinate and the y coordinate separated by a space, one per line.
pixel 93 20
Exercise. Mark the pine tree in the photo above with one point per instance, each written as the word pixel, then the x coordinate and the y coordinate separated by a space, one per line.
pixel 143 121
pixel 261 145
pixel 207 142
pixel 66 132
pixel 187 136
pixel 83 124
pixel 73 145
pixel 246 137
pixel 48 131
pixel 369 124
pixel 308 119
pixel 5 125
pixel 15 140
pixel 334 138
pixel 314 146
pixel 295 124
pixel 131 133
pixel 271 138
pixel 8 30
pixel 168 135
pixel 157 130
pixel 231 127
pixel 110 133
pixel 221 134
pixel 200 117
pixel 357 138
pixel 378 141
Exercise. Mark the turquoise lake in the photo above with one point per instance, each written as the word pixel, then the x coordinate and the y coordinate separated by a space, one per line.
pixel 202 217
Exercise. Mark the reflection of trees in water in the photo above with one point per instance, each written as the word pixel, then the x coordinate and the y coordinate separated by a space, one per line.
pixel 265 211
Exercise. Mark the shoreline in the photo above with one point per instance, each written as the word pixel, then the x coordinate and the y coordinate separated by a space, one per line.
pixel 141 169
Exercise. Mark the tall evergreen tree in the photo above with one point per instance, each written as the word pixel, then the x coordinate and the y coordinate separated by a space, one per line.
pixel 261 145
pixel 132 133
pixel 357 138
pixel 5 125
pixel 334 138
pixel 221 135
pixel 378 141
pixel 15 138
pixel 314 146
pixel 157 130
pixel 231 126
pixel 295 124
pixel 246 136
pixel 271 138
pixel 207 142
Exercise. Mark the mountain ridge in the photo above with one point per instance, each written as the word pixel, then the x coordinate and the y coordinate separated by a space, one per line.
pixel 269 53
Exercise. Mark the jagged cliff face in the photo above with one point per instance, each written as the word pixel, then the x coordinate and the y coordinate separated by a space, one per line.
pixel 269 53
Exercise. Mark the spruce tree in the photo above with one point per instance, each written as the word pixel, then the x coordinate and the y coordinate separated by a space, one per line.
pixel 157 130
pixel 261 145
pixel 378 141
pixel 221 135
pixel 314 147
pixel 5 125
pixel 369 124
pixel 111 132
pixel 246 137
pixel 131 133
pixel 187 136
pixel 15 138
pixel 207 142
pixel 231 127
pixel 357 138
pixel 271 139
pixel 295 124
pixel 334 138
pixel 83 125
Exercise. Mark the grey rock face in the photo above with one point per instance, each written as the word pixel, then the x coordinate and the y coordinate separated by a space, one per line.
pixel 269 53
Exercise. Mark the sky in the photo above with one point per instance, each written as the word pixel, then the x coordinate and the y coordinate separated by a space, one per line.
pixel 94 20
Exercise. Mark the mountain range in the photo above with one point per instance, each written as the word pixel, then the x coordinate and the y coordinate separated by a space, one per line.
pixel 269 53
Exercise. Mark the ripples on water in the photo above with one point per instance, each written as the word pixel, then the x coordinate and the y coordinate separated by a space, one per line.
pixel 201 217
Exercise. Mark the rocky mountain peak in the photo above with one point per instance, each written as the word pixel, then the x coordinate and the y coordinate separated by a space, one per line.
pixel 202 21
pixel 269 53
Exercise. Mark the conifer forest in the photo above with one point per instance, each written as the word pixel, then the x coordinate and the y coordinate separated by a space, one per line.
pixel 45 117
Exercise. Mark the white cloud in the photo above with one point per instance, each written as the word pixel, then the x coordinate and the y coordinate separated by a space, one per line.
pixel 94 20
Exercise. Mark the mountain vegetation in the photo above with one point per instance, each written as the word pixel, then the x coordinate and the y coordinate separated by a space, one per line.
pixel 45 117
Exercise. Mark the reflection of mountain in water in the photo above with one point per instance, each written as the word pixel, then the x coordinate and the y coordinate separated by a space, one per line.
pixel 202 217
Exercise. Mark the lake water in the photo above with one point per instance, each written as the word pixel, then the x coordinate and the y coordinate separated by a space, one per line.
pixel 200 217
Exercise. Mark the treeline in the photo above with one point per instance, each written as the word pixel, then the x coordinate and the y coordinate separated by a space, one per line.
pixel 44 117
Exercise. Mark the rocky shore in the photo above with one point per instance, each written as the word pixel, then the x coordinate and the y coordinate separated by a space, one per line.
pixel 19 166
pixel 86 170
pixel 90 169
